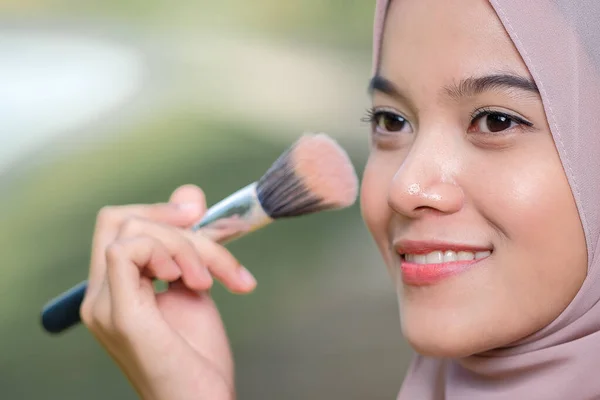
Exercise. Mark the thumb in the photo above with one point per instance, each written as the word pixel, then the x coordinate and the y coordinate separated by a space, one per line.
pixel 192 197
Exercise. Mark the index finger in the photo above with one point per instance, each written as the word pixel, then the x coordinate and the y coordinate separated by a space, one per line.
pixel 110 218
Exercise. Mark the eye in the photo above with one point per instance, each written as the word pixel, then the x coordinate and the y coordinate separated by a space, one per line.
pixel 389 122
pixel 494 123
pixel 385 121
pixel 488 121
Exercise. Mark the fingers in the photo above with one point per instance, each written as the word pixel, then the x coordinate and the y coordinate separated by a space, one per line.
pixel 132 263
pixel 136 243
pixel 222 264
pixel 176 245
pixel 195 255
pixel 110 219
pixel 127 287
pixel 189 194
pixel 134 259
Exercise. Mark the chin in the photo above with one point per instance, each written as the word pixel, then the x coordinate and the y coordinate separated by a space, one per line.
pixel 441 347
pixel 446 339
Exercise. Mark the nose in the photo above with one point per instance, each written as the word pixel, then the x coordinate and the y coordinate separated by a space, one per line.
pixel 425 183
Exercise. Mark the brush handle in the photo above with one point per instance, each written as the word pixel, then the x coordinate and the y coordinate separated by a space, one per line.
pixel 222 221
pixel 62 312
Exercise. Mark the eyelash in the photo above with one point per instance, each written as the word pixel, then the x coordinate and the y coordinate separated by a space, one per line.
pixel 373 113
pixel 369 116
pixel 486 111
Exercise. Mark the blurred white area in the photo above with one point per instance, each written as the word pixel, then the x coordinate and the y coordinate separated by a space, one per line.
pixel 51 83
pixel 273 83
pixel 56 82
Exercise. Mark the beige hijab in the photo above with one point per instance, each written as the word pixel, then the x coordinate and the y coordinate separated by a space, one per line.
pixel 559 40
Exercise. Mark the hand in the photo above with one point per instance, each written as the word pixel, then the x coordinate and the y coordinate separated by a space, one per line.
pixel 170 345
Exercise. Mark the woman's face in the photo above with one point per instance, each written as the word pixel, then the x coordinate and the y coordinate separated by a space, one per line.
pixel 464 192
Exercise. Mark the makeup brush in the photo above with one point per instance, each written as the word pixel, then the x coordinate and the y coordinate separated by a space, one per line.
pixel 314 174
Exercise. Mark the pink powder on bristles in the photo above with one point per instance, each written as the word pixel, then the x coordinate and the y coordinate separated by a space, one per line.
pixel 325 169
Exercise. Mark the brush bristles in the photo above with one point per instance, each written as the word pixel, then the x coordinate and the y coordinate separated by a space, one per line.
pixel 314 174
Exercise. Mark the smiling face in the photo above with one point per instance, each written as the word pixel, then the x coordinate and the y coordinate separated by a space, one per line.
pixel 464 192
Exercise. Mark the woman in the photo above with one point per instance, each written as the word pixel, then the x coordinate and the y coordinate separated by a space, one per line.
pixel 485 156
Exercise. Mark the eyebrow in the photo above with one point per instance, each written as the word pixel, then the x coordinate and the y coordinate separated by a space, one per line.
pixel 473 86
pixel 468 87
pixel 380 84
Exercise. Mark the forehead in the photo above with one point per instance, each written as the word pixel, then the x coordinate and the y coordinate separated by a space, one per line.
pixel 446 40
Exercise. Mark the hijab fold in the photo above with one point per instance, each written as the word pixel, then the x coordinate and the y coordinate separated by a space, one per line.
pixel 559 41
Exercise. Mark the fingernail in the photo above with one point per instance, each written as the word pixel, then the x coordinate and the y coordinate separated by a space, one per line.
pixel 246 276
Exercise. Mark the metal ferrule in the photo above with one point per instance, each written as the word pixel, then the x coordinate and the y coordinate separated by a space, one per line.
pixel 235 216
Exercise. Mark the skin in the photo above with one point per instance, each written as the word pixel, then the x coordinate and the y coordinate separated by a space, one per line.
pixel 438 174
pixel 435 173
pixel 170 345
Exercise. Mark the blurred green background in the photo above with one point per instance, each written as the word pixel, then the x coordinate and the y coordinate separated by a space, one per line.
pixel 114 102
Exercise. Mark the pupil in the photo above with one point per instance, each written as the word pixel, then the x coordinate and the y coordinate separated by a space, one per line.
pixel 393 123
pixel 498 122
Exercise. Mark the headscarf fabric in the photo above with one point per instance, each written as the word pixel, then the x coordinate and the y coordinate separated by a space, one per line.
pixel 559 41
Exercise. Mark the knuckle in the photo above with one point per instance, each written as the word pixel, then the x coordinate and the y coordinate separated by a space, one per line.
pixel 101 316
pixel 199 240
pixel 221 253
pixel 86 313
pixel 114 252
pixel 185 244
pixel 206 249
pixel 106 215
pixel 155 246
pixel 130 226
pixel 151 246
pixel 92 315
pixel 218 256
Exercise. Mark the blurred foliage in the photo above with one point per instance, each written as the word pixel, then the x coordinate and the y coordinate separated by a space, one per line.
pixel 48 231
pixel 344 23
pixel 323 321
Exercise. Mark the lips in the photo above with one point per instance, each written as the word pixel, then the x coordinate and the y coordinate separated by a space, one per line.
pixel 426 263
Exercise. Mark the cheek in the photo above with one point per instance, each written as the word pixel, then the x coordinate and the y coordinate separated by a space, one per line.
pixel 375 210
pixel 538 211
pixel 542 258
pixel 546 222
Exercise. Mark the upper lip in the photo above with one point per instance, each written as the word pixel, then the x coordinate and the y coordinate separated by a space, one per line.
pixel 405 246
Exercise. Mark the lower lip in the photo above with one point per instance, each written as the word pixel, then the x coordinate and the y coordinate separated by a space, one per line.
pixel 429 274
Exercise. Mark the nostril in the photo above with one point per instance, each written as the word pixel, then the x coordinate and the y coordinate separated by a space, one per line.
pixel 429 210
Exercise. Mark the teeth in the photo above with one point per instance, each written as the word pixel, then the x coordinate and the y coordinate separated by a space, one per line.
pixel 420 259
pixel 438 257
pixel 435 257
pixel 450 256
